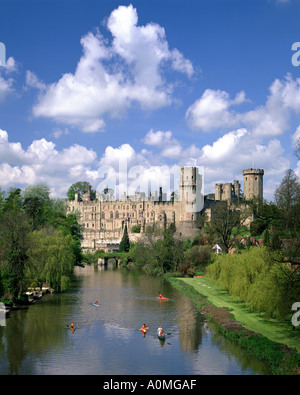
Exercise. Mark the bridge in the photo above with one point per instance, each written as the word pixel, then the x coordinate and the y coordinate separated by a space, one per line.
pixel 104 258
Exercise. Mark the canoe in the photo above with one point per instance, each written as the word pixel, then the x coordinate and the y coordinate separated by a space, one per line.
pixel 161 298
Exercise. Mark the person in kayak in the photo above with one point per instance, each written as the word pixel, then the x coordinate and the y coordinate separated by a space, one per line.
pixel 72 326
pixel 96 302
pixel 160 331
pixel 144 329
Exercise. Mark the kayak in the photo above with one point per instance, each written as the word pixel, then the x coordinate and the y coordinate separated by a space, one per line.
pixel 96 305
pixel 161 298
pixel 144 330
pixel 162 338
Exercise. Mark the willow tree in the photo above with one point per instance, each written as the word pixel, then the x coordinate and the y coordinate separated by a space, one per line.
pixel 51 258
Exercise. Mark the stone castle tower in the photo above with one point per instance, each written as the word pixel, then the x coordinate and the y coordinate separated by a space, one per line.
pixel 253 183
pixel 191 198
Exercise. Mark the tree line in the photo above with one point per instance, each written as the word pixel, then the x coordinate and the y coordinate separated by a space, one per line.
pixel 39 242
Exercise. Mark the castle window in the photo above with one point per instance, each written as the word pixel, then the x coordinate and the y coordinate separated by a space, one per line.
pixel 117 214
pixel 111 214
pixel 103 215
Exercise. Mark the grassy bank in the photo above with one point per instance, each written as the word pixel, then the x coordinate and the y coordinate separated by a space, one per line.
pixel 272 342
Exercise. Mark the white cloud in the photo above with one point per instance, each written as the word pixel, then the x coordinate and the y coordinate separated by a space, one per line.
pixel 157 138
pixel 213 110
pixel 296 136
pixel 41 162
pixel 6 83
pixel 171 148
pixel 110 78
pixel 6 87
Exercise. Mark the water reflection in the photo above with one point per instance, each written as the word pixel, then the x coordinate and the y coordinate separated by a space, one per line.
pixel 36 340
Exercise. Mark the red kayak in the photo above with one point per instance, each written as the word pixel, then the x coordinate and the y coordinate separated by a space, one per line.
pixel 161 298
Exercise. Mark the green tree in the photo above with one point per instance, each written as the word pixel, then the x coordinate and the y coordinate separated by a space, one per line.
pixel 125 243
pixel 226 222
pixel 80 187
pixel 51 258
pixel 14 230
pixel 287 199
pixel 34 200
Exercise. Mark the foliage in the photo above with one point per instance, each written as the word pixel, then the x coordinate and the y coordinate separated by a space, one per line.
pixel 38 241
pixel 136 228
pixel 260 278
pixel 226 222
pixel 14 230
pixel 125 243
pixel 159 252
pixel 79 187
pixel 51 258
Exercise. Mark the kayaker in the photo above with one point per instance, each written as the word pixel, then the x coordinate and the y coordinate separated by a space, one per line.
pixel 144 328
pixel 72 325
pixel 159 331
pixel 96 302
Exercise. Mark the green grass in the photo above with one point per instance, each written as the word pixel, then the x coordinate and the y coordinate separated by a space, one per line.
pixel 272 329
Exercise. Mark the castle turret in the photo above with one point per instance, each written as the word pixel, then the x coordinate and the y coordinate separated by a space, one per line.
pixel 253 183
pixel 190 193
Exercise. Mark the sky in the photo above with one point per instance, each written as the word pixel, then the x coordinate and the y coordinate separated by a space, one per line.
pixel 122 94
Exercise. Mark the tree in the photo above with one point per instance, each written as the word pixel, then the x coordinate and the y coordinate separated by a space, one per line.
pixel 226 222
pixel 80 187
pixel 51 258
pixel 287 199
pixel 125 243
pixel 14 230
pixel 34 200
pixel 287 195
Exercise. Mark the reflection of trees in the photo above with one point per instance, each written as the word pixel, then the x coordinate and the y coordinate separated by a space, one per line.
pixel 229 348
pixel 34 330
pixel 190 324
pixel 15 334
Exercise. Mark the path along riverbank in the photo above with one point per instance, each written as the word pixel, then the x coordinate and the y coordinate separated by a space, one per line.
pixel 272 342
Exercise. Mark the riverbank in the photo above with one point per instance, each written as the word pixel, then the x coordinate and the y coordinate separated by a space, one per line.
pixel 268 340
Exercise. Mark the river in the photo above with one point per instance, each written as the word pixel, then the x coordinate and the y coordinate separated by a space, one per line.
pixel 36 340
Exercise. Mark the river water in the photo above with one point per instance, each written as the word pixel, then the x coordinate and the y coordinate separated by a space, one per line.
pixel 36 340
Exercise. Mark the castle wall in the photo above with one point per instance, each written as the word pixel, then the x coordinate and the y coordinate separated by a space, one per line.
pixel 104 220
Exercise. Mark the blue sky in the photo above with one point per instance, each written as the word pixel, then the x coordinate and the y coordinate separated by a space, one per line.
pixel 96 84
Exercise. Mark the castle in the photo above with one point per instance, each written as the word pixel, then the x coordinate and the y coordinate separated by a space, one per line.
pixel 104 219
